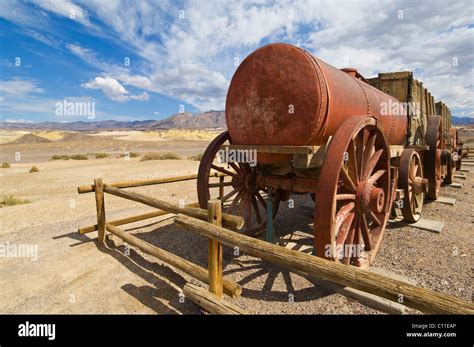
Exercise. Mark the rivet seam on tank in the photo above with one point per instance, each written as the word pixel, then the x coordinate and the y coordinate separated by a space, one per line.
pixel 324 96
pixel 365 94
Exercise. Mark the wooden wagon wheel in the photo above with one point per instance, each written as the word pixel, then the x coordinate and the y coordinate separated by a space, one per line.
pixel 432 157
pixel 412 181
pixel 244 197
pixel 353 196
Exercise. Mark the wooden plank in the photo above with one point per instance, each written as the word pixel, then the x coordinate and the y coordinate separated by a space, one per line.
pixel 210 302
pixel 229 221
pixel 131 219
pixel 144 182
pixel 396 151
pixel 418 147
pixel 311 160
pixel 214 249
pixel 399 193
pixel 100 205
pixel 421 299
pixel 456 185
pixel 230 288
pixel 446 200
pixel 464 170
pixel 461 176
pixel 367 299
pixel 272 149
pixel 428 224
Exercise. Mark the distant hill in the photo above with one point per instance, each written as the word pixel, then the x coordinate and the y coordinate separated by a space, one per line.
pixel 209 119
pixel 29 138
pixel 462 120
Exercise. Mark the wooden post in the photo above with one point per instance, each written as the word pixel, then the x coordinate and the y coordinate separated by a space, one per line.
pixel 221 188
pixel 214 249
pixel 270 234
pixel 100 204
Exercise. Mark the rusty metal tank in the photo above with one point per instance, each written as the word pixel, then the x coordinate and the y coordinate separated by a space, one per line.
pixel 282 95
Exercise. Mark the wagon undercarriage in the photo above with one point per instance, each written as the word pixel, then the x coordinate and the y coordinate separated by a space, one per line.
pixel 356 180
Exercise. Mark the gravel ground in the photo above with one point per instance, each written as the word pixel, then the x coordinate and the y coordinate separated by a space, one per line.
pixel 71 275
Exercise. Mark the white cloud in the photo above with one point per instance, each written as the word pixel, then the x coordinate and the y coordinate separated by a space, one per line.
pixel 142 97
pixel 113 89
pixel 90 57
pixel 19 87
pixel 65 8
pixel 192 58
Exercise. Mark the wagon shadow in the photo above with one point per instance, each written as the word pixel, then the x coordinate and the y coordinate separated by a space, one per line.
pixel 194 249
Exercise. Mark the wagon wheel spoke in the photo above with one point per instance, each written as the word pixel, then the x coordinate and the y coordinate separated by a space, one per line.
pixel 370 166
pixel 345 197
pixel 375 219
pixel 345 227
pixel 235 202
pixel 227 172
pixel 352 164
pixel 349 183
pixel 256 210
pixel 369 148
pixel 343 213
pixel 350 242
pixel 236 168
pixel 366 233
pixel 375 177
pixel 229 195
pixel 261 199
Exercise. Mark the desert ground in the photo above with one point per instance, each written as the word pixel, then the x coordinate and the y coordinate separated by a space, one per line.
pixel 72 275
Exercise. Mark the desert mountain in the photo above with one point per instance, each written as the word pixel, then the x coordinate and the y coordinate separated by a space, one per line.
pixel 209 119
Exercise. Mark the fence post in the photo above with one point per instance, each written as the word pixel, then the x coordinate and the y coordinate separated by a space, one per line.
pixel 221 188
pixel 214 256
pixel 270 233
pixel 100 204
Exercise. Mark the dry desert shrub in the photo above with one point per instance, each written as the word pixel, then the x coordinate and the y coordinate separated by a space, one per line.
pixel 10 200
pixel 160 156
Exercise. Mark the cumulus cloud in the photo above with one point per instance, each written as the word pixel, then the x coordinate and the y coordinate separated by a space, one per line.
pixel 113 89
pixel 201 40
pixel 190 51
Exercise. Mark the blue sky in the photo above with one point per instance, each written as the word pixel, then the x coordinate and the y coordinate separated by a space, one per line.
pixel 183 53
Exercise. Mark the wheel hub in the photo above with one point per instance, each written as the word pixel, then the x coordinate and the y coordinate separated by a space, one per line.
pixel 369 198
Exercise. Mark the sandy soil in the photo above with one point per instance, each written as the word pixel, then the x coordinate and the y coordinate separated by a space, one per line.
pixel 71 275
pixel 181 142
